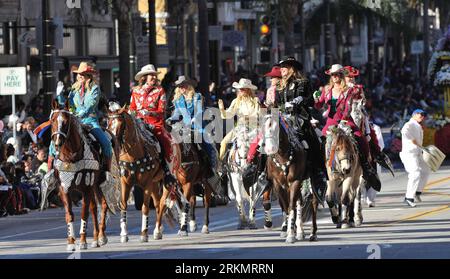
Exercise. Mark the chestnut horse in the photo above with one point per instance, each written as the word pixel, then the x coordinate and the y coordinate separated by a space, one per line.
pixel 286 168
pixel 190 173
pixel 140 166
pixel 77 167
pixel 344 171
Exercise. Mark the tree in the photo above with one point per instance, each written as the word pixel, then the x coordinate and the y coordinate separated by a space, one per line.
pixel 122 10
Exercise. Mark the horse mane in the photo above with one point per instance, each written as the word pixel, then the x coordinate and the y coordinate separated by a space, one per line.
pixel 293 139
pixel 343 139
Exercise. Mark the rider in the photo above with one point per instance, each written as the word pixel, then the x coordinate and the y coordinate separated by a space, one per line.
pixel 148 102
pixel 245 106
pixel 294 93
pixel 189 107
pixel 83 100
pixel 358 94
pixel 338 95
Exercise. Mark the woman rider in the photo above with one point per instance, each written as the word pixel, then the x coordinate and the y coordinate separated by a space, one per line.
pixel 245 106
pixel 148 102
pixel 83 99
pixel 338 97
pixel 189 106
pixel 294 93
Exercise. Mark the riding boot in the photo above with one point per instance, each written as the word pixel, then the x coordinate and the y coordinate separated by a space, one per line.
pixel 169 179
pixel 319 184
pixel 369 173
pixel 383 160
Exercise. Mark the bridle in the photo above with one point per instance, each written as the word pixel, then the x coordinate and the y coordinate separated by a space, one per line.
pixel 120 137
pixel 59 131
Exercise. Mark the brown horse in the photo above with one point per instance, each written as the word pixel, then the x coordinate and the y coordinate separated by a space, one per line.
pixel 77 167
pixel 140 165
pixel 286 168
pixel 344 172
pixel 190 173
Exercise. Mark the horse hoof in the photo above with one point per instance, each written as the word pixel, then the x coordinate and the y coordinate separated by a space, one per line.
pixel 346 226
pixel 252 226
pixel 313 237
pixel 334 219
pixel 83 246
pixel 205 229
pixel 157 235
pixel 182 233
pixel 290 239
pixel 283 234
pixel 300 237
pixel 268 225
pixel 358 223
pixel 124 239
pixel 94 244
pixel 192 226
pixel 103 241
pixel 144 238
pixel 70 247
pixel 338 225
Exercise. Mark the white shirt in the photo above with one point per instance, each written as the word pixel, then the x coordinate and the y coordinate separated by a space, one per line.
pixel 412 131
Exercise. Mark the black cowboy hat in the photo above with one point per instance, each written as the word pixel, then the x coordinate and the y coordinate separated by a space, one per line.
pixel 291 61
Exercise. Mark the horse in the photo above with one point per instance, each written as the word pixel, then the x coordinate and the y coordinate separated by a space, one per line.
pixel 77 167
pixel 286 168
pixel 236 166
pixel 345 177
pixel 189 174
pixel 140 165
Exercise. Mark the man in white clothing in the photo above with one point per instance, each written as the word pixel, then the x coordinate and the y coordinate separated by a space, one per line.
pixel 411 156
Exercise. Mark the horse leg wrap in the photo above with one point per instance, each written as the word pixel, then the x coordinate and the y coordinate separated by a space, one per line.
pixel 144 223
pixel 123 223
pixel 70 230
pixel 83 227
pixel 267 205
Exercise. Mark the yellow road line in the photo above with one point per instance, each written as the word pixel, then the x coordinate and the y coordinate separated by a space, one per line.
pixel 434 183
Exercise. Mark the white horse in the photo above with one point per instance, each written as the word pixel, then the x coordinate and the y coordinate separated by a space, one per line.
pixel 237 163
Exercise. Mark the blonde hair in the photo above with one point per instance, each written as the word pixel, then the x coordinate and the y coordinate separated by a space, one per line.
pixel 189 90
pixel 92 80
pixel 342 83
pixel 248 96
pixel 291 73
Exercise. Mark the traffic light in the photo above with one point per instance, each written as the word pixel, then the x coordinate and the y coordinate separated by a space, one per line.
pixel 265 39
pixel 266 31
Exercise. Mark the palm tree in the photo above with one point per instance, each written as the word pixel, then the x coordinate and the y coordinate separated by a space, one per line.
pixel 123 9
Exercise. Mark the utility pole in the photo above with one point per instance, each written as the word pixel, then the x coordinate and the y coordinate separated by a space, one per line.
pixel 426 35
pixel 48 58
pixel 203 37
pixel 152 32
pixel 328 54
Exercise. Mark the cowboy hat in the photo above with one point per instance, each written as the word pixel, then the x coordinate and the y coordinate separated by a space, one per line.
pixel 85 68
pixel 244 83
pixel 185 80
pixel 291 61
pixel 351 71
pixel 276 72
pixel 335 68
pixel 146 70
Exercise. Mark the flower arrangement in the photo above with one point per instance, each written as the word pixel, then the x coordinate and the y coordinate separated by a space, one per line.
pixel 443 76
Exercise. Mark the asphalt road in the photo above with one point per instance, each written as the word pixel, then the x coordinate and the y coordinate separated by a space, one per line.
pixel 390 230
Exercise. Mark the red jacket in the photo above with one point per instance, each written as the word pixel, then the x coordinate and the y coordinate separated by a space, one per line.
pixel 149 99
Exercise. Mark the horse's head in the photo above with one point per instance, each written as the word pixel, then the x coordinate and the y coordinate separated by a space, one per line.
pixel 61 120
pixel 117 120
pixel 271 134
pixel 344 152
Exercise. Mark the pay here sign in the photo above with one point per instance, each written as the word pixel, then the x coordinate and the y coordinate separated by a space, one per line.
pixel 13 81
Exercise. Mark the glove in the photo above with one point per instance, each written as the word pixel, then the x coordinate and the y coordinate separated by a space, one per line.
pixel 297 100
pixel 59 88
pixel 288 105
pixel 316 94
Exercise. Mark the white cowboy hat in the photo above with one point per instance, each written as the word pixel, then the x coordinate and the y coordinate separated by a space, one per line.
pixel 185 80
pixel 244 83
pixel 335 68
pixel 146 70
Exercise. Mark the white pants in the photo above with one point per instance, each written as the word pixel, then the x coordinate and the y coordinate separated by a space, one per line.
pixel 418 173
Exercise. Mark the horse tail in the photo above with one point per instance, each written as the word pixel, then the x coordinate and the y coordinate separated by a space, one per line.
pixel 307 209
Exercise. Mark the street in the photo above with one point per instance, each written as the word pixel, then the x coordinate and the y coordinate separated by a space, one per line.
pixel 390 230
